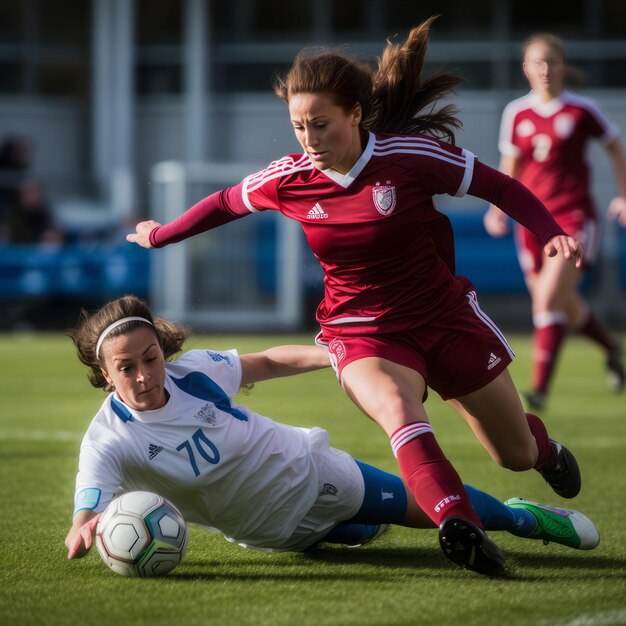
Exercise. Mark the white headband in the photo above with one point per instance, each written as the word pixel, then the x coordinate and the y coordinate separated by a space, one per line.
pixel 108 329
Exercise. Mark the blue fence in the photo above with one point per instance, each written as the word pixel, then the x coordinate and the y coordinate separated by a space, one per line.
pixel 101 271
pixel 90 272
pixel 490 263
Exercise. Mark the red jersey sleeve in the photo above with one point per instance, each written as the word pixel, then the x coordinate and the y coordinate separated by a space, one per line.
pixel 597 124
pixel 260 190
pixel 219 208
pixel 438 167
pixel 449 171
pixel 515 200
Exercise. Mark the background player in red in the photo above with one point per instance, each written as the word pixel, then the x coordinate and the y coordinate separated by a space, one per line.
pixel 394 316
pixel 543 138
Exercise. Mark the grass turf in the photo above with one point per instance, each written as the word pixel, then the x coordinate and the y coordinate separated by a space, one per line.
pixel 401 579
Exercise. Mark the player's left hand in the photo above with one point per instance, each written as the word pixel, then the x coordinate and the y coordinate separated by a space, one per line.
pixel 617 209
pixel 569 247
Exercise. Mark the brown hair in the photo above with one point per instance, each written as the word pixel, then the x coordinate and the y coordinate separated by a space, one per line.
pixel 393 96
pixel 574 76
pixel 85 335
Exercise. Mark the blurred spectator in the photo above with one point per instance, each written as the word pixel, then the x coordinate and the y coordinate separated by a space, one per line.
pixel 29 219
pixel 15 162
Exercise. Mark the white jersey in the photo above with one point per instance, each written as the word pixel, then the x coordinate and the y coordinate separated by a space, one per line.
pixel 263 484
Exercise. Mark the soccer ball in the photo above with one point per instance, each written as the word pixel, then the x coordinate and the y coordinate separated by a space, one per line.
pixel 141 534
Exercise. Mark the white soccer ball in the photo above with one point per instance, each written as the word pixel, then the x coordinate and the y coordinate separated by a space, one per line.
pixel 141 534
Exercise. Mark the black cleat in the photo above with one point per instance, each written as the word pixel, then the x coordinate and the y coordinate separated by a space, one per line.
pixel 535 400
pixel 615 370
pixel 468 546
pixel 564 477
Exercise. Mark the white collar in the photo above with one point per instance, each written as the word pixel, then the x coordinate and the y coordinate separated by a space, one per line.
pixel 547 109
pixel 345 180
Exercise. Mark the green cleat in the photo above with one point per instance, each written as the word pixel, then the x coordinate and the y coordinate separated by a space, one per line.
pixel 564 526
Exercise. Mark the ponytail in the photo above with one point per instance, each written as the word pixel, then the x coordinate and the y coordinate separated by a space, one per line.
pixel 393 96
pixel 402 102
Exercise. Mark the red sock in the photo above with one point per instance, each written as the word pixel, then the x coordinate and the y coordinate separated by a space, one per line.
pixel 547 452
pixel 594 329
pixel 429 476
pixel 547 341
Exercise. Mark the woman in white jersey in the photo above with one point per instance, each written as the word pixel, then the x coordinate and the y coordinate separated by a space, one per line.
pixel 543 141
pixel 376 149
pixel 171 427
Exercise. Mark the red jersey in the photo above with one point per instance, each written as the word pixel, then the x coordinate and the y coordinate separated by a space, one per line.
pixel 386 252
pixel 369 228
pixel 550 140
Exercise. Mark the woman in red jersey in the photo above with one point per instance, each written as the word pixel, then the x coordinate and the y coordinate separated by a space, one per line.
pixel 543 138
pixel 394 316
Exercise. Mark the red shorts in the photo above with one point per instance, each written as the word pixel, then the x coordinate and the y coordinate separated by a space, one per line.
pixel 575 224
pixel 459 352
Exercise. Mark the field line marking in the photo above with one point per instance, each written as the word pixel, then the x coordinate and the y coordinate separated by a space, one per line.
pixel 39 435
pixel 605 618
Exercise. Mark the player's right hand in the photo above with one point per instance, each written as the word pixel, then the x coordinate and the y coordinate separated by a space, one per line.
pixel 496 222
pixel 141 236
pixel 79 542
pixel 617 209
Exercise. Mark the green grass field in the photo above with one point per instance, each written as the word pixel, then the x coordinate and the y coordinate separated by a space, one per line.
pixel 46 404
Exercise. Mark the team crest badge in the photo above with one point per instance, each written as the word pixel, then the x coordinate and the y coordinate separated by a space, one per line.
pixel 206 415
pixel 384 198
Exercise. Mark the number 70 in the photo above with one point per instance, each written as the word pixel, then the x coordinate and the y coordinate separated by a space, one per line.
pixel 205 447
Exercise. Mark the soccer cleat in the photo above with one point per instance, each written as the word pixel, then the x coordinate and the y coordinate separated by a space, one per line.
pixel 564 477
pixel 377 531
pixel 535 400
pixel 468 546
pixel 615 370
pixel 564 526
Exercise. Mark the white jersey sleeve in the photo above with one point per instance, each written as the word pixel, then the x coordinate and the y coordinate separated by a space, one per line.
pixel 99 475
pixel 222 367
pixel 606 129
pixel 506 140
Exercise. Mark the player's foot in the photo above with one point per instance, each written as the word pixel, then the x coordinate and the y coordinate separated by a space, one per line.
pixel 564 477
pixel 615 370
pixel 376 531
pixel 468 546
pixel 564 526
pixel 535 400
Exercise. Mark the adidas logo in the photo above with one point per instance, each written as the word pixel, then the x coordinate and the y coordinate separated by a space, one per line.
pixel 317 213
pixel 493 361
pixel 153 450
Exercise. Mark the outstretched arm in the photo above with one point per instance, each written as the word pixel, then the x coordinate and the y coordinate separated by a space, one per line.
pixel 617 206
pixel 282 361
pixel 213 211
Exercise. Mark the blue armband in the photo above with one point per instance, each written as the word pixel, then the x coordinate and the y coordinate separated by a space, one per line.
pixel 87 499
